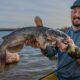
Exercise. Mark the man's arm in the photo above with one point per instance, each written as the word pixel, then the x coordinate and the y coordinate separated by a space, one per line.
pixel 50 52
pixel 76 55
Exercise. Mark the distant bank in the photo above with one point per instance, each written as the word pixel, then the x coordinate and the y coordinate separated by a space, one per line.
pixel 7 29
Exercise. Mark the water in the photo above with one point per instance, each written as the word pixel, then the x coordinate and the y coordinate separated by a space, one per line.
pixel 32 66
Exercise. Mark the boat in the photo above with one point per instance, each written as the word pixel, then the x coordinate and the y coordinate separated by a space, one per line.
pixel 50 76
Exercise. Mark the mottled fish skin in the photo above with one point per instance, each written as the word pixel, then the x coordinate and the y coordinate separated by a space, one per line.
pixel 56 33
pixel 18 38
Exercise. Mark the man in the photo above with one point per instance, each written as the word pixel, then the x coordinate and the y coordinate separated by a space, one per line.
pixel 71 71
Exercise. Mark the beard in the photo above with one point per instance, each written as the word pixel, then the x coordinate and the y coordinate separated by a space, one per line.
pixel 76 21
pixel 76 25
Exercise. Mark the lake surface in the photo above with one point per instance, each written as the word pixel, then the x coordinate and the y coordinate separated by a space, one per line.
pixel 32 66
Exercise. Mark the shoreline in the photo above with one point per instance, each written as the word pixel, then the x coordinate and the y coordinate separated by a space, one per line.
pixel 5 29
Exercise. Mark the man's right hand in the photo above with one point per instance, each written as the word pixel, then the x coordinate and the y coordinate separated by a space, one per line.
pixel 64 45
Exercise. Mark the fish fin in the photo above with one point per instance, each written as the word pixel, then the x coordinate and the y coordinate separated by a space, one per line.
pixel 38 21
pixel 16 48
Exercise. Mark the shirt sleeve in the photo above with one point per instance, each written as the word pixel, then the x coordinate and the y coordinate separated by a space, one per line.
pixel 50 51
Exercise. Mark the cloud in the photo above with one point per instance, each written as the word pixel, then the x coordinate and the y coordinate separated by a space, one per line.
pixel 19 13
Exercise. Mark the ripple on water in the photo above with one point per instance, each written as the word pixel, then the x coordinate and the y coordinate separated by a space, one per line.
pixel 32 66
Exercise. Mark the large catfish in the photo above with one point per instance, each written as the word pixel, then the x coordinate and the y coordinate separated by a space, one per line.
pixel 15 41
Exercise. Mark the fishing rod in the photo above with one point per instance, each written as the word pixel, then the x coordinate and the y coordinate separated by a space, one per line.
pixel 57 69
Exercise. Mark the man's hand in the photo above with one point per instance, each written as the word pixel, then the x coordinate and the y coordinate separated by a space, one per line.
pixel 63 45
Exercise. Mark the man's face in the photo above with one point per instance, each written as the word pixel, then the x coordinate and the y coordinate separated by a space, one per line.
pixel 75 16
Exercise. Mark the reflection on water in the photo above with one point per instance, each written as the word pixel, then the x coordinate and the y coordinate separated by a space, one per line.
pixel 32 66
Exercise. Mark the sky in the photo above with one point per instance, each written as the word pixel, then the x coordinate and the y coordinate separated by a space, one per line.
pixel 21 13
